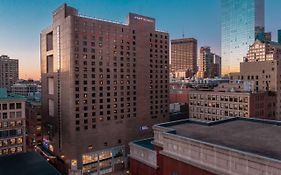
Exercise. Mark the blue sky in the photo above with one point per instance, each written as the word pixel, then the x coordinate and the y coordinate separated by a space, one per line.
pixel 22 20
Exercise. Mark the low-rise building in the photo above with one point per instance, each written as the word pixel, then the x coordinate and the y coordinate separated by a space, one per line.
pixel 234 99
pixel 233 146
pixel 12 123
pixel 25 88
pixel 178 101
pixel 207 83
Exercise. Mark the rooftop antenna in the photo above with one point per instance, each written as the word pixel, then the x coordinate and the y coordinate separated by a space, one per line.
pixel 183 33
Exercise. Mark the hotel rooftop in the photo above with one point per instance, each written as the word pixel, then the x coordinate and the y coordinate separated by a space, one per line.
pixel 231 146
pixel 251 136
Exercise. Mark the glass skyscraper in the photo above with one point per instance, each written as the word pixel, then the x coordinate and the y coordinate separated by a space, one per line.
pixel 241 20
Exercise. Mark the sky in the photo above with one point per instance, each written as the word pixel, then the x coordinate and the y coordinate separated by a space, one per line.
pixel 22 20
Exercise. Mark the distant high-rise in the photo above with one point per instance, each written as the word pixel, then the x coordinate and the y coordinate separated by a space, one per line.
pixel 209 64
pixel 9 71
pixel 217 66
pixel 184 56
pixel 241 20
pixel 104 84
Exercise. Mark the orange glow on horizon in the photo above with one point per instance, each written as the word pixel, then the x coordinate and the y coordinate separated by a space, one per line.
pixel 30 74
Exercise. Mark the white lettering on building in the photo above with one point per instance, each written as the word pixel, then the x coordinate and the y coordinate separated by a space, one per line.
pixel 143 19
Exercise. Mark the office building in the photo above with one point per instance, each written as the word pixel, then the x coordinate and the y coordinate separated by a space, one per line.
pixel 9 71
pixel 209 64
pixel 103 84
pixel 262 67
pixel 234 99
pixel 233 146
pixel 12 123
pixel 184 57
pixel 241 21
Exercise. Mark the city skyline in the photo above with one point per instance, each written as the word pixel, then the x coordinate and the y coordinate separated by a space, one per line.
pixel 140 87
pixel 31 17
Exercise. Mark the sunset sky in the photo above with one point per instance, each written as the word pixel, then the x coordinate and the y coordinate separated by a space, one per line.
pixel 21 22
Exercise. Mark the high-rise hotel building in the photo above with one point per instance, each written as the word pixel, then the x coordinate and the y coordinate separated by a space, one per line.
pixel 241 20
pixel 103 85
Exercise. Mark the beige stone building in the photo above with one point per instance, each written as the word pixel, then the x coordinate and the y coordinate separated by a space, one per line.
pixel 234 99
pixel 103 84
pixel 262 66
pixel 12 123
pixel 263 51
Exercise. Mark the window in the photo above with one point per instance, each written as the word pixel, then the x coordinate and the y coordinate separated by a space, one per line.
pixel 4 106
pixel 51 108
pixel 12 106
pixel 50 64
pixel 51 86
pixel 49 40
pixel 18 105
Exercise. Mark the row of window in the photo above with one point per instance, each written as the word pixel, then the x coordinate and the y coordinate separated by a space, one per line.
pixel 207 117
pixel 101 113
pixel 106 76
pixel 93 57
pixel 87 124
pixel 10 106
pixel 121 70
pixel 12 141
pixel 108 82
pixel 219 105
pixel 12 150
pixel 10 133
pixel 93 101
pixel 100 95
pixel 9 124
pixel 219 98
pixel 10 115
pixel 232 113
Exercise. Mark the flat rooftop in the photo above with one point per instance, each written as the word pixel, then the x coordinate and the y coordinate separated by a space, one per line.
pixel 260 137
pixel 4 95
pixel 146 143
pixel 26 164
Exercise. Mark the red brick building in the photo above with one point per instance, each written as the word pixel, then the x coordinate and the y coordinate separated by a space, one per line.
pixel 179 95
pixel 192 147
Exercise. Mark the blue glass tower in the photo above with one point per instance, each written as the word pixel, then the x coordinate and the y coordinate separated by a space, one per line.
pixel 241 20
